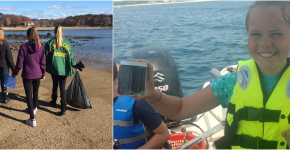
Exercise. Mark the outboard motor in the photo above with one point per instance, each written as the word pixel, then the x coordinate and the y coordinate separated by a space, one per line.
pixel 166 77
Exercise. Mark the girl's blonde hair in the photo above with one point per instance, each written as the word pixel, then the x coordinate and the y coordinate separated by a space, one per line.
pixel 284 5
pixel 33 36
pixel 58 36
pixel 2 39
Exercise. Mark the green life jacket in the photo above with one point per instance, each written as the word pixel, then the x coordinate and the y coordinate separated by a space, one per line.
pixel 249 123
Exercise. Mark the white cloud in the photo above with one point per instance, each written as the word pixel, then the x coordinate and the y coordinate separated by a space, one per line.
pixel 31 12
pixel 40 14
pixel 102 11
pixel 44 16
pixel 62 7
pixel 7 8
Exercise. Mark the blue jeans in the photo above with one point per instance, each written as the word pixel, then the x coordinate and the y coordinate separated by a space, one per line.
pixel 3 76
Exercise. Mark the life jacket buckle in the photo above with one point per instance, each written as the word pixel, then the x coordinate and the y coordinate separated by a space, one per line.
pixel 116 142
pixel 250 142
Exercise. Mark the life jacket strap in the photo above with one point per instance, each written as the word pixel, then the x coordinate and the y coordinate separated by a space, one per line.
pixel 123 123
pixel 131 140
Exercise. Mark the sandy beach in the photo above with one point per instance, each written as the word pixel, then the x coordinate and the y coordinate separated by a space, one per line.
pixel 24 28
pixel 78 129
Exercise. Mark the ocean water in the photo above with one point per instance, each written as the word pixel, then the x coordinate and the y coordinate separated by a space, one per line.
pixel 199 35
pixel 96 52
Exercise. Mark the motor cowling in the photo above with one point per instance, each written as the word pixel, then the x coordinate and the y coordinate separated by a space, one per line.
pixel 166 78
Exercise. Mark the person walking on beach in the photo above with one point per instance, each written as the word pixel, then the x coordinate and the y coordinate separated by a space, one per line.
pixel 59 63
pixel 31 58
pixel 6 62
pixel 257 95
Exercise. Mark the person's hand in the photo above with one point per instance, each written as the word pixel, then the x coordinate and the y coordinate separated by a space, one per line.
pixel 286 135
pixel 80 65
pixel 149 90
pixel 13 76
pixel 42 78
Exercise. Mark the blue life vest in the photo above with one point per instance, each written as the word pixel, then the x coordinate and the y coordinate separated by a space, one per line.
pixel 127 135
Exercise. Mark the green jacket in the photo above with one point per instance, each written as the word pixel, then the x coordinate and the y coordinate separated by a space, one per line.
pixel 59 62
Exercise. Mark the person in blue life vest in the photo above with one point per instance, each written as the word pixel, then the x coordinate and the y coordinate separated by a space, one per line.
pixel 257 95
pixel 136 124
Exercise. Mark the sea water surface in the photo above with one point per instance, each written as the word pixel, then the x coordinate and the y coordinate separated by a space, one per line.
pixel 199 35
pixel 95 51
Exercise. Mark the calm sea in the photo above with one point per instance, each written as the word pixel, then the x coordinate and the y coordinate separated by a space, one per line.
pixel 96 52
pixel 200 36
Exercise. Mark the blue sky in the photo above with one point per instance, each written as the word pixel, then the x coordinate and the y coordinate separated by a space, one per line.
pixel 55 9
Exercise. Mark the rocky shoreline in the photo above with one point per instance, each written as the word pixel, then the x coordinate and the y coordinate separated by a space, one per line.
pixel 93 60
pixel 22 39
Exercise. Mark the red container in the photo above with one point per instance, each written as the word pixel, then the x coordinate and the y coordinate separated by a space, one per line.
pixel 176 140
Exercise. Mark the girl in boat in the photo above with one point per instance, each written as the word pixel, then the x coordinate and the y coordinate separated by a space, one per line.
pixel 257 95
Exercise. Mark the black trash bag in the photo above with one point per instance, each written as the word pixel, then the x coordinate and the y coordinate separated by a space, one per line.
pixel 76 95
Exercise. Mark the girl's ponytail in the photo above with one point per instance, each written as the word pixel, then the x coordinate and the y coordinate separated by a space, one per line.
pixel 58 35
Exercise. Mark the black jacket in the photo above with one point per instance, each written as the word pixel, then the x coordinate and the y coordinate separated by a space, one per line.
pixel 6 59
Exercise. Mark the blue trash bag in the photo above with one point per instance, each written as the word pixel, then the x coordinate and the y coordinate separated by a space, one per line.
pixel 10 82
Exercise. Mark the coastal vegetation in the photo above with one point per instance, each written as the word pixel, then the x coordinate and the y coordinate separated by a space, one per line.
pixel 102 20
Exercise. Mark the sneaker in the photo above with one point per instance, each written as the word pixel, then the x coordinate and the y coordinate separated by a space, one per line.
pixel 35 110
pixel 31 122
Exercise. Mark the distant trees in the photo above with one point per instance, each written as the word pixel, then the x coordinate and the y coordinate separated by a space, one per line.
pixel 12 20
pixel 83 22
pixel 52 22
pixel 88 20
pixel 36 22
pixel 58 22
pixel 1 17
pixel 1 20
pixel 80 20
pixel 78 23
pixel 7 21
pixel 45 23
pixel 69 22
pixel 15 20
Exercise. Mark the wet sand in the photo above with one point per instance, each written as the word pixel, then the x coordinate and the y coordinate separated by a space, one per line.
pixel 20 28
pixel 78 129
